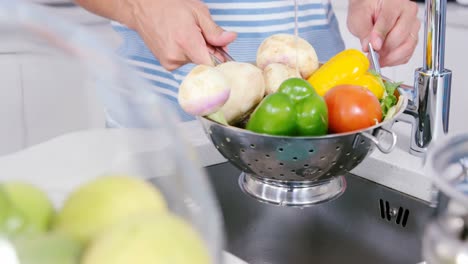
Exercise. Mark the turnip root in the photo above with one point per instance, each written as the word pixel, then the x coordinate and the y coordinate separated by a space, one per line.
pixel 247 89
pixel 204 91
pixel 281 48
pixel 275 74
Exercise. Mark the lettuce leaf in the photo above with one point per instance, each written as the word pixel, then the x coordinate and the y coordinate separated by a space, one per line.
pixel 389 99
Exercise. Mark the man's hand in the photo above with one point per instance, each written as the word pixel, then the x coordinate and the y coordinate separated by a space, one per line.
pixel 391 26
pixel 177 31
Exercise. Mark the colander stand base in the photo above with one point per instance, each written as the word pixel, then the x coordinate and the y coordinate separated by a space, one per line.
pixel 292 194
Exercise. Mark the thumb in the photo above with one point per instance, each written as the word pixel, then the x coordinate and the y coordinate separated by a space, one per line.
pixel 214 34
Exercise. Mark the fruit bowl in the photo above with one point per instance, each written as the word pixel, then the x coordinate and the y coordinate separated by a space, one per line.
pixel 71 83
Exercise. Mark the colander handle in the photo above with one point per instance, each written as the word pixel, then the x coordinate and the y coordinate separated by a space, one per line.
pixel 378 144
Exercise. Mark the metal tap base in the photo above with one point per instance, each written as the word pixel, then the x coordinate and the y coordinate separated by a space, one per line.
pixel 291 194
pixel 429 108
pixel 434 107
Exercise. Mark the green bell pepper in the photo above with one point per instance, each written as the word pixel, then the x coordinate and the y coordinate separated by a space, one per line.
pixel 295 110
pixel 312 116
pixel 275 115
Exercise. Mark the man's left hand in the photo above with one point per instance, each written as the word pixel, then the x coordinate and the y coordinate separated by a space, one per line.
pixel 391 26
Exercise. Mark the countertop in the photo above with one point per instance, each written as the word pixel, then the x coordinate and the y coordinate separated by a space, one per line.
pixel 59 165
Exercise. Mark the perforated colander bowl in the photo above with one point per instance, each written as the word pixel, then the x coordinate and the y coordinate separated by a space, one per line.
pixel 297 171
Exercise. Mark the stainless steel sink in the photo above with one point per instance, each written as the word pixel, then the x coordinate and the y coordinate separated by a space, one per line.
pixel 369 223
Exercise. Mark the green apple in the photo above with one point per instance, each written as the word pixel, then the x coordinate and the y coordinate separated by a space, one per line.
pixel 47 248
pixel 12 221
pixel 104 201
pixel 148 239
pixel 33 204
pixel 4 208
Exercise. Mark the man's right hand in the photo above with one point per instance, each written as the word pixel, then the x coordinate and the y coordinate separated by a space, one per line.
pixel 177 31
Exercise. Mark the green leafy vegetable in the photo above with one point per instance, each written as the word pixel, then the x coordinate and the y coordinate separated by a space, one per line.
pixel 389 99
pixel 387 102
pixel 390 87
pixel 375 73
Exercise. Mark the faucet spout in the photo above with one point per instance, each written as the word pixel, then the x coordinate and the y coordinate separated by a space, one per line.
pixel 432 83
pixel 434 38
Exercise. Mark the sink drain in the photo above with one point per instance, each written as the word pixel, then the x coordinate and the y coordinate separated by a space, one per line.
pixel 389 213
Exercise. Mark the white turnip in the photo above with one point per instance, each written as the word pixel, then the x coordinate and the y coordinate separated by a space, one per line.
pixel 204 91
pixel 247 89
pixel 275 74
pixel 282 48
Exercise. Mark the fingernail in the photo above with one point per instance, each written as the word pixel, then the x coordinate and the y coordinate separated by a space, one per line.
pixel 377 43
pixel 228 34
pixel 225 33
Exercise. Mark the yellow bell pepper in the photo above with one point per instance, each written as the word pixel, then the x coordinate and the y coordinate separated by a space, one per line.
pixel 346 65
pixel 371 82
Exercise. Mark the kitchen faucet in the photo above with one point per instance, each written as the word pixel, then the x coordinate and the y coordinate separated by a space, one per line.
pixel 429 107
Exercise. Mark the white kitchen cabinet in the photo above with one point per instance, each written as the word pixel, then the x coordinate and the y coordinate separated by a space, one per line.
pixel 41 96
pixel 57 98
pixel 11 114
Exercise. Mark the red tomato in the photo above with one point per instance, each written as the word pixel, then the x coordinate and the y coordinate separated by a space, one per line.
pixel 350 108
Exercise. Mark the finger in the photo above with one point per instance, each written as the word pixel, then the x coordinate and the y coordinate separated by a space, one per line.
pixel 194 47
pixel 360 22
pixel 213 33
pixel 410 45
pixel 361 28
pixel 171 58
pixel 172 65
pixel 404 27
pixel 218 54
pixel 386 19
pixel 400 55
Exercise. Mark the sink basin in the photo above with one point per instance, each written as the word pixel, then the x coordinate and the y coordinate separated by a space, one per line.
pixel 369 223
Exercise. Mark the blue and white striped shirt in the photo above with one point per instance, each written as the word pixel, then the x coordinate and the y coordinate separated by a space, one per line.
pixel 253 20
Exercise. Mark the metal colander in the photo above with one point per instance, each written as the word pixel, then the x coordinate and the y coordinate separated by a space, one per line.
pixel 297 171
